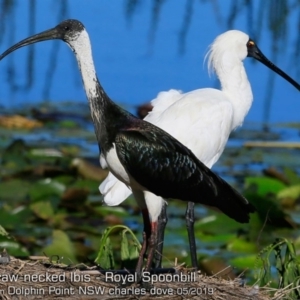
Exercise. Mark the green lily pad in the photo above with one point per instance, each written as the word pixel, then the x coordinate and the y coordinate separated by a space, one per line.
pixel 216 238
pixel 115 210
pixel 43 209
pixel 292 192
pixel 246 262
pixel 14 190
pixel 3 231
pixel 214 224
pixel 45 189
pixel 12 218
pixel 240 245
pixel 91 185
pixel 12 247
pixel 62 247
pixel 264 185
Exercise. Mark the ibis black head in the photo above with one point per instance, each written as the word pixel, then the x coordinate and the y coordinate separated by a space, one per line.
pixel 253 51
pixel 68 31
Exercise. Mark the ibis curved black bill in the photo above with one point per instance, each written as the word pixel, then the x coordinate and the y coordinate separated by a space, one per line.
pixel 253 51
pixel 50 34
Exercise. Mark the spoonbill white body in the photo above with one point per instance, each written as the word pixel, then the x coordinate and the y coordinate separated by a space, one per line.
pixel 203 119
pixel 138 153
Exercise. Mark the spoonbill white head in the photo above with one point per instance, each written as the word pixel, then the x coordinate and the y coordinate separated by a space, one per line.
pixel 230 49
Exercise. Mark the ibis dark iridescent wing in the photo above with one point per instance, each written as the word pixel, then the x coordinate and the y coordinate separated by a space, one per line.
pixel 167 168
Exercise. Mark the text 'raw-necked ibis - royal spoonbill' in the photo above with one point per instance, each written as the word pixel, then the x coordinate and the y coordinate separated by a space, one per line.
pixel 141 155
pixel 203 119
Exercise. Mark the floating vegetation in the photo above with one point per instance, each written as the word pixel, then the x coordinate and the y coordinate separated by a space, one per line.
pixel 49 197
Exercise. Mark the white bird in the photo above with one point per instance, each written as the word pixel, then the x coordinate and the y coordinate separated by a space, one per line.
pixel 203 119
pixel 141 155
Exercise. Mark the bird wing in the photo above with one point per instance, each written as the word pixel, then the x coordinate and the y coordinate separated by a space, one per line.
pixel 157 160
pixel 168 169
pixel 163 165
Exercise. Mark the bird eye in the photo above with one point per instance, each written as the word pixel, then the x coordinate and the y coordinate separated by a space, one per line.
pixel 250 44
pixel 66 28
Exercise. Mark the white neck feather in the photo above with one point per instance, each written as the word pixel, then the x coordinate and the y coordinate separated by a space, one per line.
pixel 234 83
pixel 82 49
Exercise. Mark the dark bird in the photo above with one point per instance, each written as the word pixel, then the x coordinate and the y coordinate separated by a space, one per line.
pixel 141 155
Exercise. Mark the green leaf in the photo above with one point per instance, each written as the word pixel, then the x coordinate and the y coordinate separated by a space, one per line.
pixel 43 209
pixel 105 255
pixel 43 189
pixel 111 210
pixel 105 258
pixel 12 247
pixel 13 218
pixel 124 247
pixel 214 224
pixel 220 239
pixel 91 185
pixel 3 231
pixel 62 247
pixel 240 245
pixel 14 157
pixel 245 261
pixel 65 179
pixel 292 176
pixel 290 192
pixel 14 190
pixel 134 250
pixel 264 185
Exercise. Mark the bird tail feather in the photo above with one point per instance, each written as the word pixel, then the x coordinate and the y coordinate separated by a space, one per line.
pixel 113 190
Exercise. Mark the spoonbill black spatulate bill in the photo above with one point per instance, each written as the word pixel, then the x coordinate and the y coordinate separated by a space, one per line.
pixel 141 155
pixel 203 119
